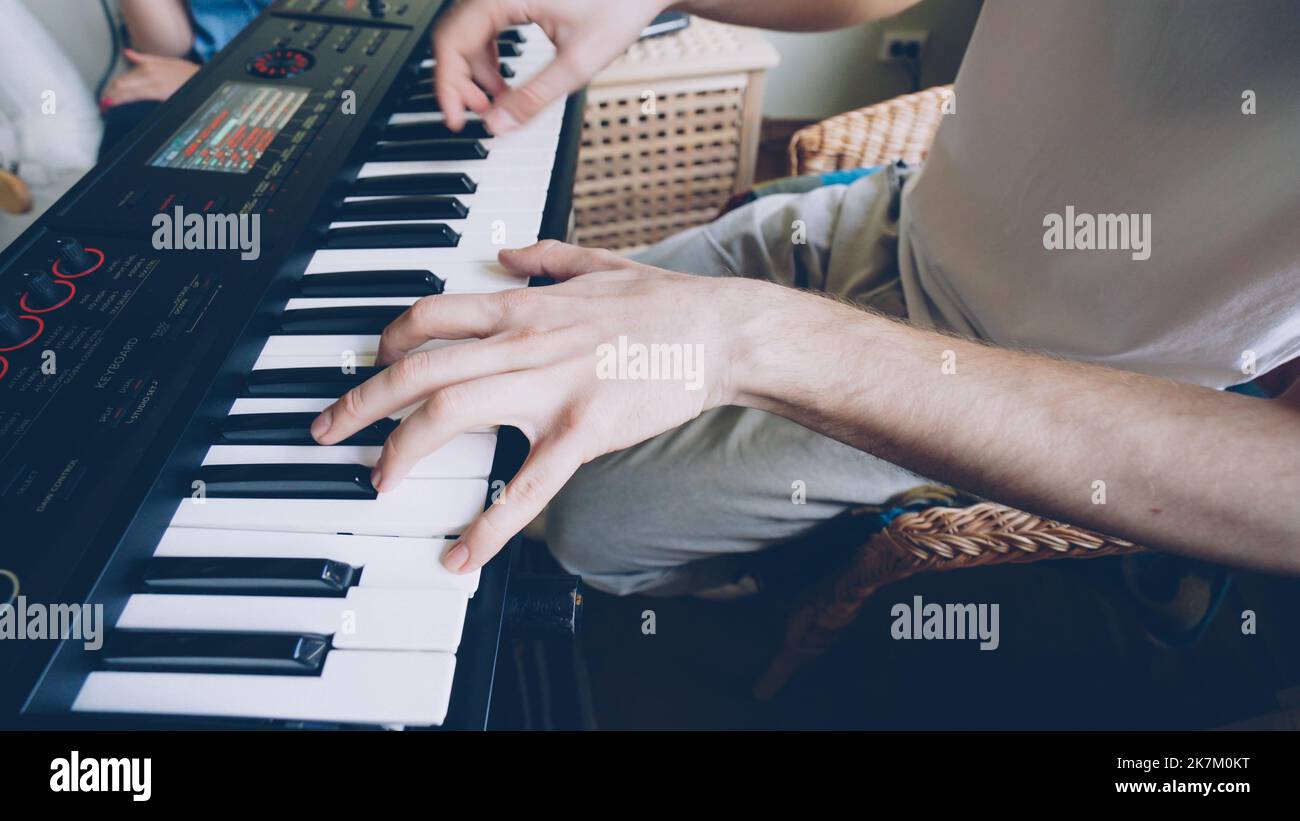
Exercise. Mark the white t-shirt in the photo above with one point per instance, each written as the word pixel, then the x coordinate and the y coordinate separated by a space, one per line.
pixel 1070 111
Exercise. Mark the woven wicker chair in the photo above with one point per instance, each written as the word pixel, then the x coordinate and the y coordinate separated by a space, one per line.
pixel 930 527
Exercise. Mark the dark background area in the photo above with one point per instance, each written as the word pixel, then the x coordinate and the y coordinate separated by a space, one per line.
pixel 1072 655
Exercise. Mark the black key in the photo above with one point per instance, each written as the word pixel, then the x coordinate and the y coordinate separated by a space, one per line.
pixel 354 319
pixel 196 652
pixel 248 576
pixel 507 71
pixel 393 235
pixel 512 36
pixel 473 130
pixel 371 283
pixel 505 48
pixel 305 383
pixel 284 482
pixel 431 150
pixel 415 207
pixel 292 429
pixel 393 185
pixel 423 102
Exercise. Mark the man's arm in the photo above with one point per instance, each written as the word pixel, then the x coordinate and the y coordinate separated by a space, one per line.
pixel 1186 469
pixel 159 27
pixel 588 35
pixel 783 15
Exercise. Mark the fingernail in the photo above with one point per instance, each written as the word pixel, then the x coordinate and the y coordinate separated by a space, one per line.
pixel 456 558
pixel 375 478
pixel 501 122
pixel 321 424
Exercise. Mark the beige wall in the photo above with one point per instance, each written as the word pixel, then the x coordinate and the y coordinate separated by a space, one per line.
pixel 826 73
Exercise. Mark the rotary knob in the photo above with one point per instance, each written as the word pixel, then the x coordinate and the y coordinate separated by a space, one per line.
pixel 42 290
pixel 74 255
pixel 376 7
pixel 12 329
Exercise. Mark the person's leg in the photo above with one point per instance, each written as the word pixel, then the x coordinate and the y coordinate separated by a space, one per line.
pixel 681 512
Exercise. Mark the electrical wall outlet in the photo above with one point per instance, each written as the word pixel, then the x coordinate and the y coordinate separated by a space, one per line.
pixel 895 43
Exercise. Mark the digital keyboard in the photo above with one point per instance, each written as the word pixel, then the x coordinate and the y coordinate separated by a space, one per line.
pixel 169 329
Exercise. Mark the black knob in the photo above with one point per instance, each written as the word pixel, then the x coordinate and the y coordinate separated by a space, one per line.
pixel 11 326
pixel 377 7
pixel 42 290
pixel 74 255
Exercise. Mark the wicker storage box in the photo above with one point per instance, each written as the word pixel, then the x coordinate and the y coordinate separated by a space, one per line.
pixel 670 132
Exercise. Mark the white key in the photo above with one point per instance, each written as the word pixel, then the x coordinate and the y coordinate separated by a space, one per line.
pixel 387 562
pixel 484 276
pixel 305 303
pixel 368 618
pixel 332 349
pixel 418 507
pixel 355 686
pixel 470 248
pixel 468 456
pixel 477 229
pixel 517 141
pixel 267 362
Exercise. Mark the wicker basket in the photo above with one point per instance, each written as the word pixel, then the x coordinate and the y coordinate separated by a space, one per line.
pixel 670 133
pixel 897 129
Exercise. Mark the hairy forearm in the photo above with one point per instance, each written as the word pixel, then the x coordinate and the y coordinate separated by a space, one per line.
pixel 1186 469
pixel 160 27
pixel 783 15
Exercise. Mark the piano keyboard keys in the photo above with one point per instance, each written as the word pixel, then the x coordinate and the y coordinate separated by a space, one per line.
pixel 407 282
pixel 458 276
pixel 349 319
pixel 422 102
pixel 467 456
pixel 385 562
pixel 306 383
pixel 329 351
pixel 361 687
pixel 367 618
pixel 265 576
pixel 291 429
pixel 426 149
pixel 289 589
pixel 475 130
pixel 419 207
pixel 176 651
pixel 391 235
pixel 404 184
pixel 286 481
pixel 428 508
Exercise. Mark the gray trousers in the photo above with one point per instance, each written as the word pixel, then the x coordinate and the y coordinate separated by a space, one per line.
pixel 683 511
